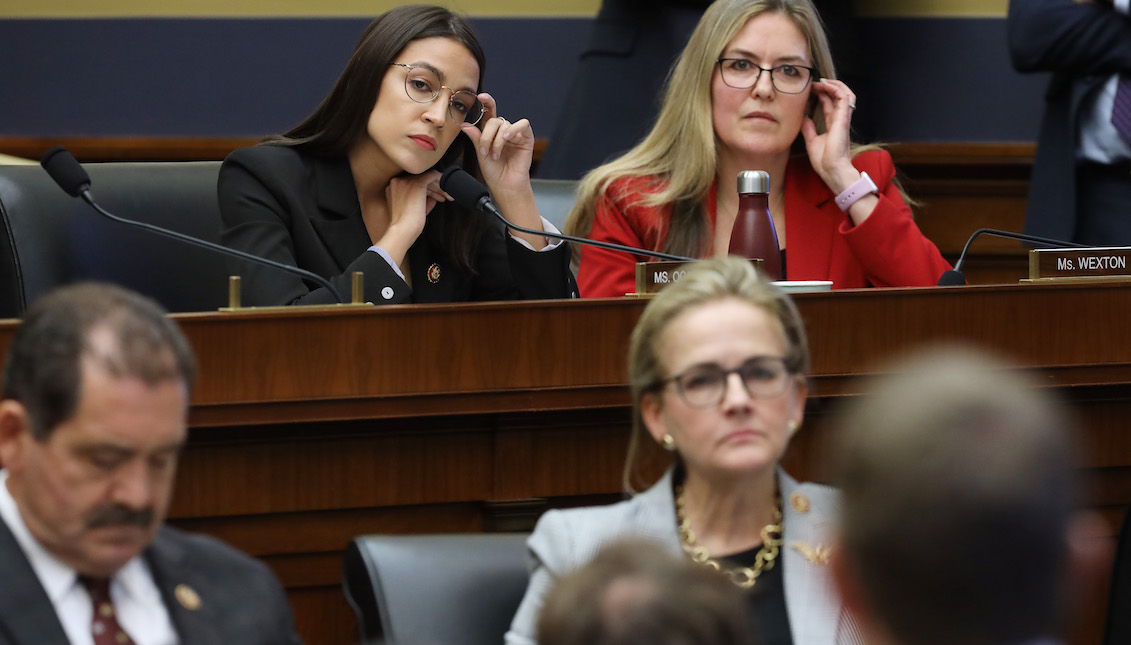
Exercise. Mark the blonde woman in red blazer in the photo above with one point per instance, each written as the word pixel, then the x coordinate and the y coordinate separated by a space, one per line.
pixel 755 89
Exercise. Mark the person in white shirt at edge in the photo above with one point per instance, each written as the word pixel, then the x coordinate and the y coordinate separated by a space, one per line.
pixel 1081 183
pixel 94 415
pixel 717 368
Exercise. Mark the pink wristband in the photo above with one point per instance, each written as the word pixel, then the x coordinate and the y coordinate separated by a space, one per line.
pixel 852 194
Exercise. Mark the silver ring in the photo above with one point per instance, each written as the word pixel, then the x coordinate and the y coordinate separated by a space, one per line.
pixel 852 106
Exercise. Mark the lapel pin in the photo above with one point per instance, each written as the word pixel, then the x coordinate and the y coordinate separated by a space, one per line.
pixel 187 596
pixel 434 273
pixel 818 555
pixel 799 502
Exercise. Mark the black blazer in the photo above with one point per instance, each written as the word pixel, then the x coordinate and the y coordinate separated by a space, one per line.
pixel 302 210
pixel 240 600
pixel 1083 44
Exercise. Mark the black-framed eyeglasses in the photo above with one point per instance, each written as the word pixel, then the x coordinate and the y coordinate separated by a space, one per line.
pixel 423 86
pixel 743 74
pixel 705 385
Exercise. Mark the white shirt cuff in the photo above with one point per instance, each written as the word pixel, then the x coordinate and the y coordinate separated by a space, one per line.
pixel 388 258
pixel 551 243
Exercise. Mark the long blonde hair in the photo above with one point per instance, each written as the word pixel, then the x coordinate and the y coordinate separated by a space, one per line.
pixel 680 149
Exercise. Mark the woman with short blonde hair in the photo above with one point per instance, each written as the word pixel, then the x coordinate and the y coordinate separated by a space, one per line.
pixel 717 367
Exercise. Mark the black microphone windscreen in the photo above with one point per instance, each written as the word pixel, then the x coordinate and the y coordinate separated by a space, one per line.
pixel 464 189
pixel 66 171
pixel 952 278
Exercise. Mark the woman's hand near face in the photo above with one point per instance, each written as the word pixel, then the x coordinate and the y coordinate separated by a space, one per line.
pixel 829 153
pixel 410 199
pixel 505 151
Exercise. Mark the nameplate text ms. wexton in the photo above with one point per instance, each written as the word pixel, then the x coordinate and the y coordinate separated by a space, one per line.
pixel 1075 263
pixel 653 276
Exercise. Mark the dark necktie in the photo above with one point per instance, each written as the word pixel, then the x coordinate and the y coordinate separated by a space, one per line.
pixel 1121 109
pixel 104 624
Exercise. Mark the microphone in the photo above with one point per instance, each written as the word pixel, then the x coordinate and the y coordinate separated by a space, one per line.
pixel 73 179
pixel 955 277
pixel 468 192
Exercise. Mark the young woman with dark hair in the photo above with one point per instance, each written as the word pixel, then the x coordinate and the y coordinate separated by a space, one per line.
pixel 355 187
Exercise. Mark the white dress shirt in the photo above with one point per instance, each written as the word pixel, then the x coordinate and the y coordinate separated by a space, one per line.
pixel 1099 141
pixel 137 600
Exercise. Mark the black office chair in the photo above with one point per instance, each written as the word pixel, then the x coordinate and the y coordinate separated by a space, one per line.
pixel 554 198
pixel 435 589
pixel 48 238
pixel 1118 630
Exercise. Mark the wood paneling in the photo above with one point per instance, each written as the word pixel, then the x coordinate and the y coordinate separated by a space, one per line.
pixel 962 188
pixel 312 426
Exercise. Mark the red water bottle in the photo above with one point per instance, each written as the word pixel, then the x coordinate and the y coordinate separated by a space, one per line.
pixel 753 235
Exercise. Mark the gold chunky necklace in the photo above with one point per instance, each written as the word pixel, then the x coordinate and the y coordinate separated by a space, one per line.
pixel 744 577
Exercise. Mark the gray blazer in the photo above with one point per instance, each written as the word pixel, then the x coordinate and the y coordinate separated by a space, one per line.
pixel 240 600
pixel 565 540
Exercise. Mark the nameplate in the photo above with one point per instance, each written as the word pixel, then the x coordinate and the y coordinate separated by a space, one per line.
pixel 1080 263
pixel 651 277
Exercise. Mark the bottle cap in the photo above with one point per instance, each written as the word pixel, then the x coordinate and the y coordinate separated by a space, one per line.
pixel 753 181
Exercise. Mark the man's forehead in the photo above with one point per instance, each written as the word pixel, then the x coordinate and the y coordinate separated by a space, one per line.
pixel 118 410
pixel 141 356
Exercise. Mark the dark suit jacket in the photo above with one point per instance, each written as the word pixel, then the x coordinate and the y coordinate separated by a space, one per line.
pixel 618 86
pixel 302 210
pixel 1083 44
pixel 616 91
pixel 241 601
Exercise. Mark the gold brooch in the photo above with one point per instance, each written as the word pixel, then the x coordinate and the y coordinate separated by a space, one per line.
pixel 818 555
pixel 799 502
pixel 187 596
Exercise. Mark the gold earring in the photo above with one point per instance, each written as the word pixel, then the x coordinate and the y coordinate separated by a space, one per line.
pixel 668 442
pixel 792 427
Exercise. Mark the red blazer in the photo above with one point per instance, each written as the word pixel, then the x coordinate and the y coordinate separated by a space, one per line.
pixel 887 250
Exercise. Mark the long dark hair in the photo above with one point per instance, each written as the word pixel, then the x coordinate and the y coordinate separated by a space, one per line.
pixel 340 120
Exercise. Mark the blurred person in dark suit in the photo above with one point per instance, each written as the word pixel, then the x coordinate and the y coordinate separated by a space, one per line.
pixel 1081 184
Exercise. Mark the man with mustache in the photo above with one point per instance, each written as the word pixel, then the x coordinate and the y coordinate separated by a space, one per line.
pixel 93 417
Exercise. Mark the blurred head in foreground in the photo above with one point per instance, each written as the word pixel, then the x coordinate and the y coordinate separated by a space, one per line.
pixel 636 593
pixel 958 503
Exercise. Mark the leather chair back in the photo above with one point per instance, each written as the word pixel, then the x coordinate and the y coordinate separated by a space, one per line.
pixel 435 589
pixel 48 238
